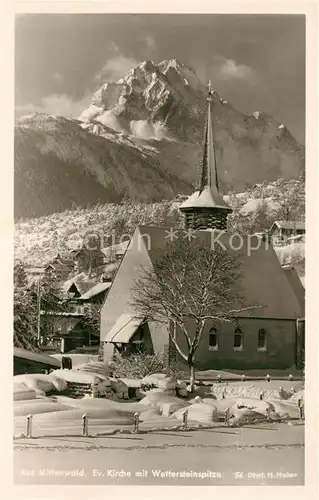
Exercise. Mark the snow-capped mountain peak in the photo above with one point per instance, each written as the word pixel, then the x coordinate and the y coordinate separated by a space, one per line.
pixel 141 136
pixel 166 93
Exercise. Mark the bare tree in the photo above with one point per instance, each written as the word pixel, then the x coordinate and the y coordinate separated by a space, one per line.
pixel 187 287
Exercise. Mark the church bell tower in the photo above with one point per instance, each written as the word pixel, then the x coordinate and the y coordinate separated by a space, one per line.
pixel 206 208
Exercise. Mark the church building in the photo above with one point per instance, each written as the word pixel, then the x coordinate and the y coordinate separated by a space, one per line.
pixel 269 336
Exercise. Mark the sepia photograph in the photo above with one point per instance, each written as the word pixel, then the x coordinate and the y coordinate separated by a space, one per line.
pixel 159 249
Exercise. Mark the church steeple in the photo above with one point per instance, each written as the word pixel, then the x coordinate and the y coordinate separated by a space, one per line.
pixel 208 171
pixel 206 208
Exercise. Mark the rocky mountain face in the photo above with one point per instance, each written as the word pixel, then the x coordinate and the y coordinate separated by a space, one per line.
pixel 141 138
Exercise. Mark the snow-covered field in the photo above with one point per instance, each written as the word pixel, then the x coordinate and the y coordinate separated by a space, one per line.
pixel 221 421
pixel 271 454
pixel 55 411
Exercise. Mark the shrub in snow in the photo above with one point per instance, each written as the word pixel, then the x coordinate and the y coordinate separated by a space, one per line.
pixel 158 398
pixel 181 384
pixel 97 367
pixel 36 381
pixel 296 396
pixel 139 394
pixel 102 389
pixel 203 391
pixel 181 392
pixel 257 405
pixel 277 394
pixel 120 388
pixel 147 390
pixel 160 381
pixel 284 410
pixel 240 416
pixel 221 405
pixel 59 384
pixel 199 412
pixel 137 366
pixel 191 389
pixel 248 410
pixel 248 391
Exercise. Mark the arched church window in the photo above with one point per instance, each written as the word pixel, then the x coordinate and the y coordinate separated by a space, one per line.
pixel 238 339
pixel 213 339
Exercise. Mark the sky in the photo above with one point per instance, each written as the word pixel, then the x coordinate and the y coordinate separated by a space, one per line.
pixel 256 62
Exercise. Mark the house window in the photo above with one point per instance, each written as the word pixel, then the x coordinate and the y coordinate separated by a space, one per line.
pixel 262 339
pixel 238 339
pixel 213 340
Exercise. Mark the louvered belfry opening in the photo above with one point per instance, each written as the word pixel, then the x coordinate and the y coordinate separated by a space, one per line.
pixel 198 219
pixel 206 208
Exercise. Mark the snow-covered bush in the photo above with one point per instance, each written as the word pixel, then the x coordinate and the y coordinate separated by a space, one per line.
pixel 199 412
pixel 140 365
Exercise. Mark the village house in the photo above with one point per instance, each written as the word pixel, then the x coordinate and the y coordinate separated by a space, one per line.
pixel 114 253
pixel 87 260
pixel 75 261
pixel 73 288
pixel 80 289
pixel 97 294
pixel 25 361
pixel 59 268
pixel 72 328
pixel 284 231
pixel 271 335
pixel 58 331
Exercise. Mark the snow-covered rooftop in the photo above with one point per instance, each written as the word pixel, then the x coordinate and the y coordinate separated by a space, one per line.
pixel 96 289
pixel 208 198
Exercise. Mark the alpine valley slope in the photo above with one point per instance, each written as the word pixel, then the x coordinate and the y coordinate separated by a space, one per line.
pixel 141 138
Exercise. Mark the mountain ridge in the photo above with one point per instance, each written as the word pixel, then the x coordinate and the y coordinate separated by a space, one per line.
pixel 141 138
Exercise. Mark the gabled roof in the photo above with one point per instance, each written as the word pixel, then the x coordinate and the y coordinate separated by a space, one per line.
pixel 81 284
pixel 117 249
pixel 71 254
pixel 59 263
pixel 282 224
pixel 69 282
pixel 84 286
pixel 18 352
pixel 49 265
pixel 265 283
pixel 124 329
pixel 96 290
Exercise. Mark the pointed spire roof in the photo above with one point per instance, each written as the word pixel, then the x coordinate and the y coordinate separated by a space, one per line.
pixel 207 195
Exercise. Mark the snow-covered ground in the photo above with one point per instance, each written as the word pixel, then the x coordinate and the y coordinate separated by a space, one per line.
pixel 270 426
pixel 263 454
